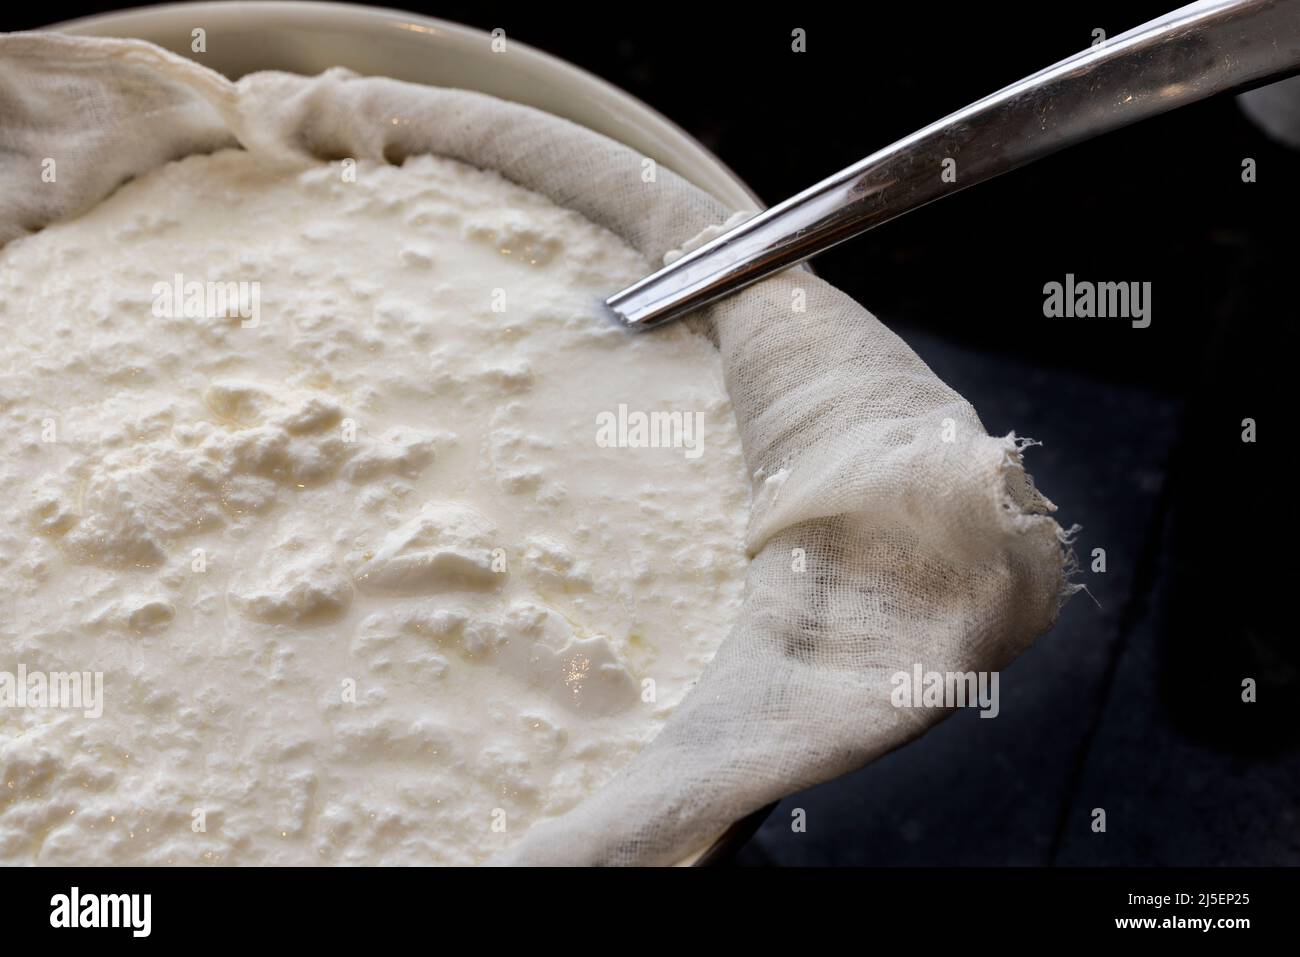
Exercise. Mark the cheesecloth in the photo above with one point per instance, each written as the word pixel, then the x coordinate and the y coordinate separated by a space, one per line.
pixel 887 528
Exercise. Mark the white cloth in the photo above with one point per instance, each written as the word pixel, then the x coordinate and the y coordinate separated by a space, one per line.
pixel 888 529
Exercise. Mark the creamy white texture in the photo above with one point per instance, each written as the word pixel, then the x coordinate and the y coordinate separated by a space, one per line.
pixel 363 585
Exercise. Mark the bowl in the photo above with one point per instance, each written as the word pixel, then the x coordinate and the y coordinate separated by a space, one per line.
pixel 308 38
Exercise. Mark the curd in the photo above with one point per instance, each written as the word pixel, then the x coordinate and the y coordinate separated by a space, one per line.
pixel 305 464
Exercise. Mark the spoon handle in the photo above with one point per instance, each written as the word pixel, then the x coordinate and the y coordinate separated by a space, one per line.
pixel 1189 54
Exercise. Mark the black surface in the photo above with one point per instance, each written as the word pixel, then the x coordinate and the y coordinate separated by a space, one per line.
pixel 283 906
pixel 1133 706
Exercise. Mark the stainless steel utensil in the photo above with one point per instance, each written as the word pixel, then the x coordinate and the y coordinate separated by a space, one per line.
pixel 1187 55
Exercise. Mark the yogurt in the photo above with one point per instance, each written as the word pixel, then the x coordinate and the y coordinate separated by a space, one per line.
pixel 315 470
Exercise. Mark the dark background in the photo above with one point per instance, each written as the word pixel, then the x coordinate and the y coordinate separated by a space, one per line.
pixel 1132 703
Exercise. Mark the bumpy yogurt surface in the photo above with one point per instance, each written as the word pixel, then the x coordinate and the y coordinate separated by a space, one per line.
pixel 382 541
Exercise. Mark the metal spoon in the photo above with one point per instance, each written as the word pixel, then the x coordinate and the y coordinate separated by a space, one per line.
pixel 1187 55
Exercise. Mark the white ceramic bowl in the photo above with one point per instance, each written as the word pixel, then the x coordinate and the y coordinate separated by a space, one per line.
pixel 243 37
pixel 307 38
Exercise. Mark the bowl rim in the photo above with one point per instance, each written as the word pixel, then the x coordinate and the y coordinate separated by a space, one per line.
pixel 612 98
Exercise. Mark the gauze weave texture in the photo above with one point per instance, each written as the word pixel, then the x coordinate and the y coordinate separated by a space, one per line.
pixel 887 528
